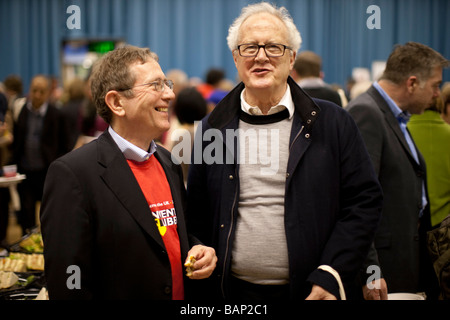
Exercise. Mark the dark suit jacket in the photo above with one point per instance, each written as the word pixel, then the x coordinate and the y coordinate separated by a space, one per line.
pixel 53 140
pixel 399 242
pixel 94 216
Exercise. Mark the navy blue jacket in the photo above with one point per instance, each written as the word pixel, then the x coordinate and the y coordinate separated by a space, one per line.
pixel 332 198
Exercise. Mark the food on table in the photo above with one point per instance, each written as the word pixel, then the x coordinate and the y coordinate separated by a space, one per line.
pixel 14 265
pixel 7 279
pixel 33 243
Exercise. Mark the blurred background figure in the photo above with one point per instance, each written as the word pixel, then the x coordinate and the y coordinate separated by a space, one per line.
pixel 39 138
pixel 221 90
pixel 189 107
pixel 91 125
pixel 445 114
pixel 212 80
pixel 5 141
pixel 180 80
pixel 308 74
pixel 432 137
pixel 215 87
pixel 14 94
pixel 72 110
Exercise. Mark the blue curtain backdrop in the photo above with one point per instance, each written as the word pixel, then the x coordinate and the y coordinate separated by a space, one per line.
pixel 191 34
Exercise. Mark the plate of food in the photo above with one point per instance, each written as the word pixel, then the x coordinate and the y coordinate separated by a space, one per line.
pixel 16 281
pixel 30 243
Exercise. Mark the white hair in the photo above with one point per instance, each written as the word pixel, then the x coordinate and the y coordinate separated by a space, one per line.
pixel 294 37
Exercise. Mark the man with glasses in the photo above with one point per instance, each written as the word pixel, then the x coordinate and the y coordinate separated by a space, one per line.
pixel 292 207
pixel 112 215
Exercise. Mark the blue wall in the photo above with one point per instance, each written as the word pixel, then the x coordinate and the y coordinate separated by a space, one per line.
pixel 191 34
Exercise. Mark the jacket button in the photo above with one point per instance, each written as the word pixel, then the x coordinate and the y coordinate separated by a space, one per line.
pixel 230 177
pixel 167 290
pixel 307 136
pixel 287 175
pixel 313 113
pixel 222 226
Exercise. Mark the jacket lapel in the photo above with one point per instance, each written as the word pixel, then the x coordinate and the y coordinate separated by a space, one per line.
pixel 393 123
pixel 116 173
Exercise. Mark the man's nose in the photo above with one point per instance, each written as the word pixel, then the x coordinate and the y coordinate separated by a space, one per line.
pixel 261 54
pixel 168 93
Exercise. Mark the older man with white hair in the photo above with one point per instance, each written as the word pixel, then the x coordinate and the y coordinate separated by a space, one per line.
pixel 292 207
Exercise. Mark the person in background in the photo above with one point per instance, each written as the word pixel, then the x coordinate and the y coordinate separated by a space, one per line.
pixel 408 86
pixel 14 94
pixel 308 74
pixel 189 108
pixel 432 137
pixel 72 109
pixel 280 184
pixel 114 208
pixel 445 114
pixel 5 141
pixel 39 138
pixel 213 78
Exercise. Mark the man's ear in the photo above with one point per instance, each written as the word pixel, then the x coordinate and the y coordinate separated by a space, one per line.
pixel 114 101
pixel 292 60
pixel 411 83
pixel 235 56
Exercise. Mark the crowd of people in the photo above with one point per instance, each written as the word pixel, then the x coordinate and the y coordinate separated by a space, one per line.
pixel 292 188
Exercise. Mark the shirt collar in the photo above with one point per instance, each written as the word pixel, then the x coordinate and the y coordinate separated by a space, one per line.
pixel 285 103
pixel 129 150
pixel 41 111
pixel 402 116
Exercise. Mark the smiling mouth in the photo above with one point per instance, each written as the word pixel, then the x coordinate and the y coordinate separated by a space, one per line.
pixel 260 70
pixel 162 109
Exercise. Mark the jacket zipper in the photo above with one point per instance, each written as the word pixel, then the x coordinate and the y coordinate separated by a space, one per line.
pixel 298 134
pixel 232 221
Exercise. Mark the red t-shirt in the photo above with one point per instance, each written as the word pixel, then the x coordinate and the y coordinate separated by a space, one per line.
pixel 153 182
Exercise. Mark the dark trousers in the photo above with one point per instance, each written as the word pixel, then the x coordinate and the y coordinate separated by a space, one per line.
pixel 4 212
pixel 30 191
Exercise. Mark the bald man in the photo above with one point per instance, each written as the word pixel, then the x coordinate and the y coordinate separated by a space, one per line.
pixel 39 138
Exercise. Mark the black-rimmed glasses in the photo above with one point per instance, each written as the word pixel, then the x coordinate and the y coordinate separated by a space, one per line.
pixel 271 49
pixel 158 85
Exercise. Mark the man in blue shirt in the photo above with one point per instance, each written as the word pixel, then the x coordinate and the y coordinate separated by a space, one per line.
pixel 408 85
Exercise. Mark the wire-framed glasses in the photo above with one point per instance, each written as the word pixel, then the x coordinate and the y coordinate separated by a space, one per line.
pixel 157 85
pixel 271 49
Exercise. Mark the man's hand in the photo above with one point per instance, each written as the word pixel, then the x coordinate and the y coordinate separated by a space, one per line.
pixel 376 294
pixel 319 293
pixel 206 260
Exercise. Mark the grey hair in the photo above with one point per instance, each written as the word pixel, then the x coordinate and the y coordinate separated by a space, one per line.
pixel 295 39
